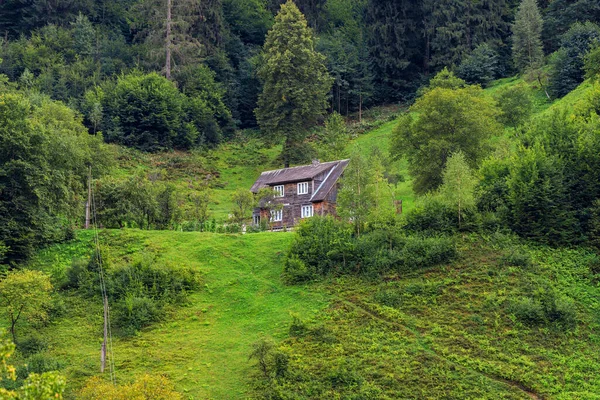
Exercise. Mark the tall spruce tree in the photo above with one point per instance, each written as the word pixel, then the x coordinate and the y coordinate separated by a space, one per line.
pixel 527 48
pixel 295 81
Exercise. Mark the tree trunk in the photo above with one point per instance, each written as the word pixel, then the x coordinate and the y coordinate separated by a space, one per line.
pixel 168 40
pixel 360 108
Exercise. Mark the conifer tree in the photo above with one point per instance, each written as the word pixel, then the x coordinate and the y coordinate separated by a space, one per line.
pixel 295 81
pixel 527 32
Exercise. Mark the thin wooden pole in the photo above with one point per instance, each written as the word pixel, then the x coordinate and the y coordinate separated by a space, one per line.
pixel 103 351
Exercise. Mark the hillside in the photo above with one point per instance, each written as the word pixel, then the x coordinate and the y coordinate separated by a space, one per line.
pixel 445 331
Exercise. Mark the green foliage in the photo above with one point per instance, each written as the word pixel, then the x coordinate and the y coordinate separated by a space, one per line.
pixel 295 81
pixel 136 202
pixel 592 64
pixel 545 308
pixel 515 103
pixel 270 362
pixel 324 246
pixel 139 290
pixel 24 293
pixel 243 203
pixel 567 64
pixel 458 185
pixel 134 313
pixel 444 121
pixel 526 40
pixel 36 386
pixel 145 387
pixel 332 145
pixel 145 112
pixel 321 247
pixel 44 153
pixel 480 67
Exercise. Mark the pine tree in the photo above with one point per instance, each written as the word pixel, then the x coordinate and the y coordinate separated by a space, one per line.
pixel 527 32
pixel 295 81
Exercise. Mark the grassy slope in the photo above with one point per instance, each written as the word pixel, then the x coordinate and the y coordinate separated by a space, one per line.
pixel 449 334
pixel 204 346
pixel 445 332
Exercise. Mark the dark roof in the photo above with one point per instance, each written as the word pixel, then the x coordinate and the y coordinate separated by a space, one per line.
pixel 330 180
pixel 302 173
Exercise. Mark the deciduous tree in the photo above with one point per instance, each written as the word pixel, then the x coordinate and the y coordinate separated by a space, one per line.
pixel 26 294
pixel 442 122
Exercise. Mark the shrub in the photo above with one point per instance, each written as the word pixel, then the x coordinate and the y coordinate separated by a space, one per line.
pixel 39 364
pixel 270 362
pixel 545 308
pixel 32 345
pixel 389 297
pixel 431 217
pixel 517 258
pixel 323 245
pixel 527 310
pixel 144 278
pixel 426 252
pixel 134 313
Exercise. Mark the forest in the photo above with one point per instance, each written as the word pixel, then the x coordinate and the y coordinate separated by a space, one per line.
pixel 467 234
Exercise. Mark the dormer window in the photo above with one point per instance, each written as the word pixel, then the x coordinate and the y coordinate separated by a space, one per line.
pixel 279 191
pixel 303 188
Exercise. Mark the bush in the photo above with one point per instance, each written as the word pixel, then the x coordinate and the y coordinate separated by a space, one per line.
pixel 516 105
pixel 389 297
pixel 144 278
pixel 545 308
pixel 321 246
pixel 517 258
pixel 426 252
pixel 32 345
pixel 134 313
pixel 527 311
pixel 432 217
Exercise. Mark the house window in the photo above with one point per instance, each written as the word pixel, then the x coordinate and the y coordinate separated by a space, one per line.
pixel 303 188
pixel 276 215
pixel 256 218
pixel 279 192
pixel 307 211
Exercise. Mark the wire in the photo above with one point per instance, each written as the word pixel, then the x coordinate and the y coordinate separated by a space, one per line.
pixel 109 344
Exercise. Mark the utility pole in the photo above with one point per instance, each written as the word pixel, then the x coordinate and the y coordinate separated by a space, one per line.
pixel 89 200
pixel 103 350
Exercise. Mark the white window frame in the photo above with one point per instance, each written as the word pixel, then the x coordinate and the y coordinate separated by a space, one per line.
pixel 279 190
pixel 256 219
pixel 303 185
pixel 307 211
pixel 277 215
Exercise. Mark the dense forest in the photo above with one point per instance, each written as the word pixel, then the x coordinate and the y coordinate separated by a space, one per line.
pixel 479 117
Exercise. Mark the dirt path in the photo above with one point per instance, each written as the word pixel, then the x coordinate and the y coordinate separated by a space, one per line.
pixel 357 305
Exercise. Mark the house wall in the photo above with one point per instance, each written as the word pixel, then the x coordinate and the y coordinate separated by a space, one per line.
pixel 293 202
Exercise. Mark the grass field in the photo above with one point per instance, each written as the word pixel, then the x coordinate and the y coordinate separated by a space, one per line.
pixel 203 346
pixel 445 332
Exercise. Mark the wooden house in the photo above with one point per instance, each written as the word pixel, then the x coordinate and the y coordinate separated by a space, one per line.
pixel 302 191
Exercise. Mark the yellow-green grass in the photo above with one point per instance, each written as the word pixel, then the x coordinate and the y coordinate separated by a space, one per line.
pixel 444 332
pixel 202 346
